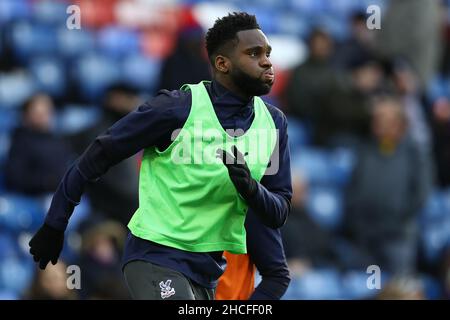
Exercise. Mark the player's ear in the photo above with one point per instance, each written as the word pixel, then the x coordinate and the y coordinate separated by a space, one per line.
pixel 222 63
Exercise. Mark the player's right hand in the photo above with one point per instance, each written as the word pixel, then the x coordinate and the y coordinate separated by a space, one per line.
pixel 46 245
pixel 238 171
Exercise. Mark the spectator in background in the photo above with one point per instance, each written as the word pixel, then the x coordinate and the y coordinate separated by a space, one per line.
pixel 346 112
pixel 334 104
pixel 312 81
pixel 37 158
pixel 100 261
pixel 188 63
pixel 361 42
pixel 115 196
pixel 388 188
pixel 51 284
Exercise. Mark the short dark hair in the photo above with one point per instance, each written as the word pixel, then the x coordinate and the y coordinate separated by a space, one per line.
pixel 225 29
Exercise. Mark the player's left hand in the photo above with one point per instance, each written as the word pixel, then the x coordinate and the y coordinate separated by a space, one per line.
pixel 239 172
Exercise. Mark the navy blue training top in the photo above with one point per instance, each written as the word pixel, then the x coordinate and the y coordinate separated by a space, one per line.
pixel 152 124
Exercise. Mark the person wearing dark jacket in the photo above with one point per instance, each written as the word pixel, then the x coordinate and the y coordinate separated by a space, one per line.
pixel 388 188
pixel 190 212
pixel 37 158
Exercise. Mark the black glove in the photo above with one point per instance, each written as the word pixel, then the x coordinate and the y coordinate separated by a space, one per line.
pixel 46 245
pixel 239 172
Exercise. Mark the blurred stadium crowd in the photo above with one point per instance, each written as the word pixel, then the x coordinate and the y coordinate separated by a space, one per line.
pixel 369 129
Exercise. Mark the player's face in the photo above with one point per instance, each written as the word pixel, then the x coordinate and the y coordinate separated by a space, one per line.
pixel 251 70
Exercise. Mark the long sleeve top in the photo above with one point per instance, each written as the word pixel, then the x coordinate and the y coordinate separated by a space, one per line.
pixel 152 124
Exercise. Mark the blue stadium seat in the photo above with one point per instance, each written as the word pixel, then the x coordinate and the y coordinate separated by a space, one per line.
pixel 15 88
pixel 16 274
pixel 16 268
pixel 50 12
pixel 74 43
pixel 317 284
pixel 438 87
pixel 265 17
pixel 141 72
pixel 435 238
pixel 29 39
pixel 333 24
pixel 49 75
pixel 354 285
pixel 117 42
pixel 342 161
pixel 94 73
pixel 9 119
pixel 18 213
pixel 324 204
pixel 8 295
pixel 22 239
pixel 435 225
pixel 274 6
pixel 8 245
pixel 344 8
pixel 308 6
pixel 13 9
pixel 299 135
pixel 74 118
pixel 313 164
pixel 436 208
pixel 293 23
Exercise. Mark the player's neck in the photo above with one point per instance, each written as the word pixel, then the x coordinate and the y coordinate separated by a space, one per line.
pixel 228 84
